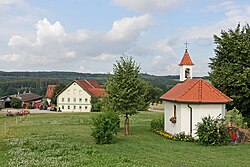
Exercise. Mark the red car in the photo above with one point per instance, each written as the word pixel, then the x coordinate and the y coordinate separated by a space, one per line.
pixel 23 112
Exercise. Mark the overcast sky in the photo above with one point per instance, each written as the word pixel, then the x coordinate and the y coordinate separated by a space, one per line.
pixel 90 35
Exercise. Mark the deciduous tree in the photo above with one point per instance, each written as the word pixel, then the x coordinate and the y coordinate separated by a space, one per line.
pixel 230 68
pixel 124 89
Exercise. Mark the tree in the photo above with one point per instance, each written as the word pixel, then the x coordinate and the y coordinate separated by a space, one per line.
pixel 123 88
pixel 149 94
pixel 230 68
pixel 15 103
pixel 57 89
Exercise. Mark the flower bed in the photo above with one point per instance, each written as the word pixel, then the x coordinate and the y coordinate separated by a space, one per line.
pixel 179 136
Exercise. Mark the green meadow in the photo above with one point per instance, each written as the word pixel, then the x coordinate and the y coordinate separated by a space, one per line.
pixel 63 139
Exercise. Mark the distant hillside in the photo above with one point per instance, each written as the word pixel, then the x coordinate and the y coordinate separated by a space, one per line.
pixel 13 82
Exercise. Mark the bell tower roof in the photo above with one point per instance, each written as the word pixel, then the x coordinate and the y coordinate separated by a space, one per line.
pixel 186 60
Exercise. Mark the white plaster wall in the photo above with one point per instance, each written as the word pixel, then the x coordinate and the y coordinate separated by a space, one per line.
pixel 183 115
pixel 170 127
pixel 72 92
pixel 182 72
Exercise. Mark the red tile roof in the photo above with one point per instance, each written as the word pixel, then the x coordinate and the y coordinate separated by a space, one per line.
pixel 50 91
pixel 186 60
pixel 195 91
pixel 92 87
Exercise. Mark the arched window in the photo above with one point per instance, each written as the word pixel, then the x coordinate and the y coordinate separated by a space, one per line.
pixel 187 73
pixel 173 118
pixel 175 111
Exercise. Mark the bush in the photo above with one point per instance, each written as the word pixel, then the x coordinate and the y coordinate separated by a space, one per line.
pixel 234 118
pixel 157 124
pixel 30 106
pixel 183 137
pixel 212 132
pixel 106 126
pixel 15 103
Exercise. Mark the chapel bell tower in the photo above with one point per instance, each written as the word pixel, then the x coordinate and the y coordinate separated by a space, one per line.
pixel 186 66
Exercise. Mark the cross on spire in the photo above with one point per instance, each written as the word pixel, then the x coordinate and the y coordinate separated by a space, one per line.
pixel 186 43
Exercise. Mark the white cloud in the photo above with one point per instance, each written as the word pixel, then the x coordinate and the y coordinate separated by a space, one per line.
pixel 17 40
pixel 70 54
pixel 10 57
pixel 165 47
pixel 104 57
pixel 49 33
pixel 52 46
pixel 158 60
pixel 234 14
pixel 8 2
pixel 129 28
pixel 147 5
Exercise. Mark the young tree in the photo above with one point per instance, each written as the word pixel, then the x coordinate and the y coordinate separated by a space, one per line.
pixel 230 68
pixel 123 88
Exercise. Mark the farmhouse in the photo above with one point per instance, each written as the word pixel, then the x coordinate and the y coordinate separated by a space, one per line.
pixel 25 98
pixel 190 100
pixel 77 95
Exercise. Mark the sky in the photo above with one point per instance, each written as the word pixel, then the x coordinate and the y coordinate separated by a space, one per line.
pixel 89 36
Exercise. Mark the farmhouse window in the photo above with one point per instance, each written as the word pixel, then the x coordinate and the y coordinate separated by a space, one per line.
pixel 74 92
pixel 62 99
pixel 63 107
pixel 74 107
pixel 68 92
pixel 68 107
pixel 68 99
pixel 80 92
pixel 80 100
pixel 86 107
pixel 86 100
pixel 74 99
pixel 80 107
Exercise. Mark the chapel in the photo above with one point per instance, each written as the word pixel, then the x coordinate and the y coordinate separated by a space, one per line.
pixel 190 100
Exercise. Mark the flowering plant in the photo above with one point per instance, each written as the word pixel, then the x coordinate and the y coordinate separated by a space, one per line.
pixel 173 120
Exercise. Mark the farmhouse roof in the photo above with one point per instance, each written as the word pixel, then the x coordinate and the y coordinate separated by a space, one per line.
pixel 29 97
pixel 186 60
pixel 50 91
pixel 195 91
pixel 92 87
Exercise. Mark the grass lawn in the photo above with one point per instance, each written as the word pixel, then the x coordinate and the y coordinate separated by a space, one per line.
pixel 64 139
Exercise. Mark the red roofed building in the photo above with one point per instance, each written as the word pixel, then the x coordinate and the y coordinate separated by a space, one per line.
pixel 77 95
pixel 190 100
pixel 50 91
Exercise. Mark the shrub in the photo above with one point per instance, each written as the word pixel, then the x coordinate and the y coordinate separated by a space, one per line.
pixel 106 126
pixel 183 137
pixel 212 131
pixel 157 124
pixel 15 103
pixel 30 106
pixel 234 118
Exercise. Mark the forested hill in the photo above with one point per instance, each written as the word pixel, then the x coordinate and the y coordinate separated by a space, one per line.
pixel 13 82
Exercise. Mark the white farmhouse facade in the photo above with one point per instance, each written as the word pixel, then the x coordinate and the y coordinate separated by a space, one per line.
pixel 76 97
pixel 190 100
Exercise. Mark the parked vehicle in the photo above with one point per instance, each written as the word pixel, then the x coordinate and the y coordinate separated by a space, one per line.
pixel 23 112
pixel 53 108
pixel 43 107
